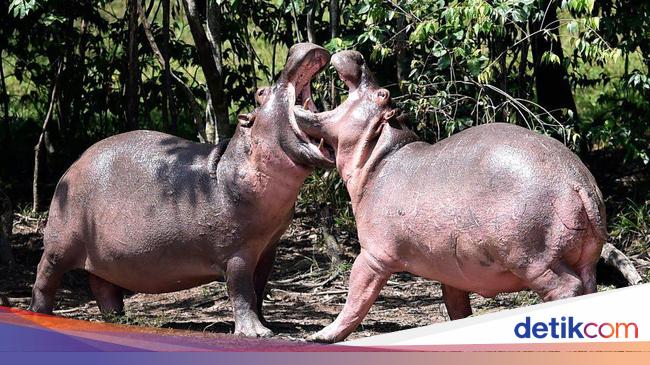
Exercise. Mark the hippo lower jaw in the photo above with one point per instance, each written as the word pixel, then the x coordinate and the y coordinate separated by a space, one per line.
pixel 318 151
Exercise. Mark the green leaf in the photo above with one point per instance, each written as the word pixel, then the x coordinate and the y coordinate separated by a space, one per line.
pixel 365 8
pixel 572 27
pixel 22 8
pixel 550 58
pixel 444 62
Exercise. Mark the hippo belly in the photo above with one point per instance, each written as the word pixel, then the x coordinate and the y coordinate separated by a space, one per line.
pixel 166 267
pixel 137 213
pixel 168 277
pixel 467 274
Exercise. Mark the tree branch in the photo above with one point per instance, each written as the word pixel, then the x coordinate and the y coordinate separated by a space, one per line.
pixel 194 105
pixel 37 149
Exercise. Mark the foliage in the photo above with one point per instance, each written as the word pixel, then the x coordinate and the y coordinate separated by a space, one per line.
pixel 450 64
pixel 631 228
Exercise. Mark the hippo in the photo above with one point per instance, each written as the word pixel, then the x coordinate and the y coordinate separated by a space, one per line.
pixel 495 208
pixel 152 213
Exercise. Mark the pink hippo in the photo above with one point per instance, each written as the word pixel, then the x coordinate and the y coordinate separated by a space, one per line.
pixel 495 208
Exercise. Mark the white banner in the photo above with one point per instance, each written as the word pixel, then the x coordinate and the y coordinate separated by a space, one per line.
pixel 614 315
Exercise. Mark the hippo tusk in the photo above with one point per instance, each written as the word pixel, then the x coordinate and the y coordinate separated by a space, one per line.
pixel 306 116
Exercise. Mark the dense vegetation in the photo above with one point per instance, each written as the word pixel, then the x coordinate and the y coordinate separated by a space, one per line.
pixel 73 73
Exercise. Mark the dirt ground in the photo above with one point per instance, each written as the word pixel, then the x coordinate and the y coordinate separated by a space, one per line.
pixel 304 294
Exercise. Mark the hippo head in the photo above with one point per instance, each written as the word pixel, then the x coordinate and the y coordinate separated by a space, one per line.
pixel 274 118
pixel 354 127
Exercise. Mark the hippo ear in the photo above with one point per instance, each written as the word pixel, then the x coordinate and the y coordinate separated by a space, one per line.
pixel 246 120
pixel 389 115
pixel 382 96
pixel 375 127
pixel 380 122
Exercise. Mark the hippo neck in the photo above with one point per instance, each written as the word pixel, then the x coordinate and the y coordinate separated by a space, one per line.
pixel 215 156
pixel 363 170
pixel 256 171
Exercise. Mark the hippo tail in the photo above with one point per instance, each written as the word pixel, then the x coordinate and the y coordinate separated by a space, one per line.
pixel 592 201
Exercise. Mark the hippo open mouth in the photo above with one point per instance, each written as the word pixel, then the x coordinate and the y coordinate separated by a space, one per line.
pixel 350 68
pixel 299 92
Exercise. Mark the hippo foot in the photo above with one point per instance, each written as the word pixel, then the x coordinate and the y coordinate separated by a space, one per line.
pixel 252 329
pixel 326 335
pixel 264 322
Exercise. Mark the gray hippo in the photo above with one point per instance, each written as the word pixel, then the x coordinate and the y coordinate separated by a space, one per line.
pixel 154 213
pixel 495 208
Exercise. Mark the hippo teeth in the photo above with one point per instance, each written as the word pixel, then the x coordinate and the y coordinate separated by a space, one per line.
pixel 305 105
pixel 320 145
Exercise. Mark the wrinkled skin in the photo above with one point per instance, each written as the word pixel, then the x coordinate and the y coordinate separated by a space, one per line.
pixel 495 208
pixel 153 213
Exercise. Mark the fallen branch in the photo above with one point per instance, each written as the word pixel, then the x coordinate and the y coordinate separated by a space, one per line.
pixel 333 292
pixel 27 218
pixel 13 301
pixel 611 256
pixel 65 311
pixel 296 278
pixel 324 282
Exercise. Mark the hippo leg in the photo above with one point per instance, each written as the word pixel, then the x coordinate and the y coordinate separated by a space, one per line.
pixel 557 282
pixel 456 301
pixel 262 272
pixel 588 277
pixel 367 278
pixel 108 295
pixel 48 278
pixel 241 290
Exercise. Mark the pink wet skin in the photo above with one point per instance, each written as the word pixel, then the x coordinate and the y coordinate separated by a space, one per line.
pixel 153 213
pixel 495 208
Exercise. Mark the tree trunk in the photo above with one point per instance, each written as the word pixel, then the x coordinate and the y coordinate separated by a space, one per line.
pixel 332 247
pixel 522 80
pixel 311 36
pixel 167 94
pixel 616 259
pixel 37 149
pixel 6 223
pixel 132 72
pixel 250 51
pixel 334 30
pixel 4 96
pixel 551 80
pixel 77 100
pixel 5 30
pixel 195 109
pixel 401 44
pixel 208 45
pixel 294 14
